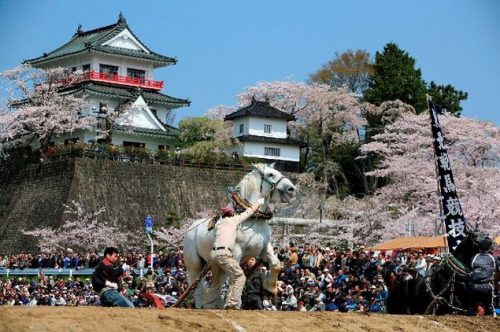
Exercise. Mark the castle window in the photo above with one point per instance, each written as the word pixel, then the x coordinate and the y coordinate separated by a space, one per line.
pixel 136 73
pixel 267 129
pixel 108 69
pixel 134 144
pixel 273 152
pixel 86 68
pixel 242 127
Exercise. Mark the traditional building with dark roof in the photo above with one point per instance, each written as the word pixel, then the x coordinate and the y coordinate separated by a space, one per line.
pixel 115 70
pixel 263 132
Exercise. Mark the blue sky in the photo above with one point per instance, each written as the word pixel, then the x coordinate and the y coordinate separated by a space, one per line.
pixel 224 46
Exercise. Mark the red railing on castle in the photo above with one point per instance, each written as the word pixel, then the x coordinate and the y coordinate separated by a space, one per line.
pixel 123 80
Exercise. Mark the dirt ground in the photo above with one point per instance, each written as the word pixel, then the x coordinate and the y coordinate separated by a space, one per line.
pixel 118 319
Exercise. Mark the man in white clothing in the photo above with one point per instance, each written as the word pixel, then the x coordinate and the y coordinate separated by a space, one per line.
pixel 421 265
pixel 222 260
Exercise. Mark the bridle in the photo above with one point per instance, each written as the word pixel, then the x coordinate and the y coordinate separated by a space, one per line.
pixel 243 204
pixel 273 185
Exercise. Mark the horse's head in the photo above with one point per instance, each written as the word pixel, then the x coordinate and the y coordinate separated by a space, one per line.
pixel 480 240
pixel 266 182
pixel 475 241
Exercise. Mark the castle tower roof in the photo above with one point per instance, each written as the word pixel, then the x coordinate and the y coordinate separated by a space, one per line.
pixel 260 109
pixel 108 40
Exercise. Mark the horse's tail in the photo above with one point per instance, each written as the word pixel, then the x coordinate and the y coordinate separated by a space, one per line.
pixel 193 260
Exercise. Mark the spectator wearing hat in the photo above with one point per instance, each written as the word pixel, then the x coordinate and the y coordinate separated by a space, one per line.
pixel 319 305
pixel 309 294
pixel 325 279
pixel 290 301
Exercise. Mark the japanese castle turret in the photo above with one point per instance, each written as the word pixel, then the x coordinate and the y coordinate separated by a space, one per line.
pixel 115 71
pixel 263 132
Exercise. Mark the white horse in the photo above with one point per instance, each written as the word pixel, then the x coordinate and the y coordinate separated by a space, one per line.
pixel 252 240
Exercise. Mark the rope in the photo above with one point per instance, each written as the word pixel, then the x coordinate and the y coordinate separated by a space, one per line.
pixel 438 298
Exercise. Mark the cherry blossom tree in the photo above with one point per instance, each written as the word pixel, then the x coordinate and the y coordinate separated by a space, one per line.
pixel 81 231
pixel 36 114
pixel 219 112
pixel 406 146
pixel 327 118
pixel 408 204
pixel 173 235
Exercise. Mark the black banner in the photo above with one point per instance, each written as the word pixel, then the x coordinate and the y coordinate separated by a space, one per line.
pixel 453 216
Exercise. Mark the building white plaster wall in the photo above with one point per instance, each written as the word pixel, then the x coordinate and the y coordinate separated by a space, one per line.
pixel 94 103
pixel 151 142
pixel 256 149
pixel 123 63
pixel 161 112
pixel 256 127
pixel 236 126
pixel 74 61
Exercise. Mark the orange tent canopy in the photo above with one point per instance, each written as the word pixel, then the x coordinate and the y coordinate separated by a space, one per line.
pixel 418 242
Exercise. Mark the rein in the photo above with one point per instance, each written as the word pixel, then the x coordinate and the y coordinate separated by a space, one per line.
pixel 243 204
pixel 456 265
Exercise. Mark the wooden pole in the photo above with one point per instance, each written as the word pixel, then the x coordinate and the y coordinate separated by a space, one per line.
pixel 191 287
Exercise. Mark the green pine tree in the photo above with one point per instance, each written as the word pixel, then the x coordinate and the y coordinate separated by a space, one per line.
pixel 447 98
pixel 395 77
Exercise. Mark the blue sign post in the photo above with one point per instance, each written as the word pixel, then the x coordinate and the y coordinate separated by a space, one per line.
pixel 148 222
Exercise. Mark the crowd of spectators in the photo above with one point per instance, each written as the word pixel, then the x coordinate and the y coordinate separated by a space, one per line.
pixel 312 279
pixel 167 279
pixel 322 278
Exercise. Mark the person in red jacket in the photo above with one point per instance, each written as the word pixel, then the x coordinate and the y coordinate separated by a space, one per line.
pixel 106 279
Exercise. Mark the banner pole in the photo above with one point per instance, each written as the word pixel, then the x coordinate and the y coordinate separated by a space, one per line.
pixel 451 213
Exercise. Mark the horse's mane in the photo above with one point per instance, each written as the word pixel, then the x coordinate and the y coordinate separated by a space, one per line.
pixel 248 186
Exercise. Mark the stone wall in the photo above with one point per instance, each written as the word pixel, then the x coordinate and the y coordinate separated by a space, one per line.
pixel 32 196
pixel 129 191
